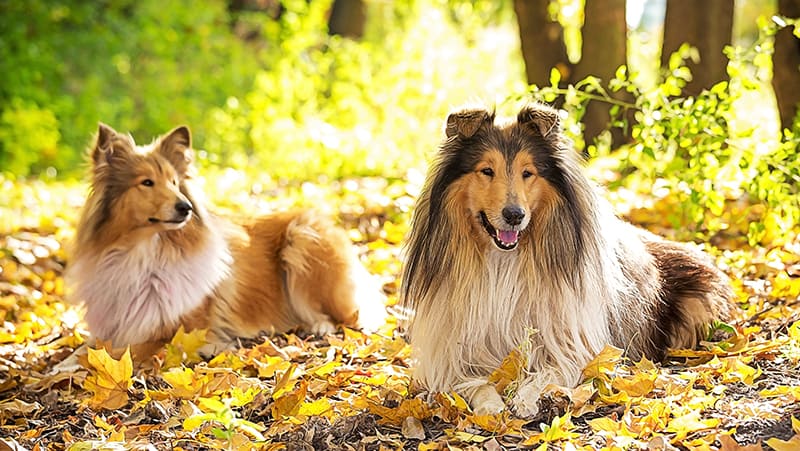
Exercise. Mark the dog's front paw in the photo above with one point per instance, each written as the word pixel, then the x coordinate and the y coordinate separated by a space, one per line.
pixel 486 401
pixel 322 328
pixel 211 349
pixel 525 403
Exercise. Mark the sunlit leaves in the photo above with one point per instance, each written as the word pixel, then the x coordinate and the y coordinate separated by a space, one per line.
pixel 509 370
pixel 787 445
pixel 109 379
pixel 261 393
pixel 184 347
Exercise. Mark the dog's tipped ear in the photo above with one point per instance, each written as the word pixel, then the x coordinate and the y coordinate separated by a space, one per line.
pixel 176 146
pixel 108 143
pixel 544 118
pixel 466 123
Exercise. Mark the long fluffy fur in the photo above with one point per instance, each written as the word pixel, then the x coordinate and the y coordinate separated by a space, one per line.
pixel 142 268
pixel 579 278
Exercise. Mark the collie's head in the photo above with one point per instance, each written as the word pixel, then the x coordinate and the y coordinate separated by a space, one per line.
pixel 139 188
pixel 514 187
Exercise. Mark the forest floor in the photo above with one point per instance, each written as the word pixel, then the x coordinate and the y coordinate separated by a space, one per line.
pixel 352 390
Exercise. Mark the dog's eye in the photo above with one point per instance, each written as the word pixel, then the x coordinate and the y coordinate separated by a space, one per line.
pixel 487 172
pixel 147 182
pixel 527 174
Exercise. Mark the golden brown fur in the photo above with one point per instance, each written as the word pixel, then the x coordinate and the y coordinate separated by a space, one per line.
pixel 148 257
pixel 512 248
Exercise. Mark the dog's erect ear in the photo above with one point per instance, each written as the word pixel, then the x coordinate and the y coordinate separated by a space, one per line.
pixel 544 118
pixel 109 144
pixel 466 123
pixel 176 146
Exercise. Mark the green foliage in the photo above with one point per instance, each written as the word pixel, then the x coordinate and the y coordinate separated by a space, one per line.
pixel 328 105
pixel 138 65
pixel 262 90
pixel 721 168
pixel 31 132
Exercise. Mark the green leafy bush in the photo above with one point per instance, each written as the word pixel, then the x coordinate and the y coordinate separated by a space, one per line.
pixel 334 106
pixel 142 65
pixel 723 170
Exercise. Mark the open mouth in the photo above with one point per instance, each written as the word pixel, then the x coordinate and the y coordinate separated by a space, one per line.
pixel 504 239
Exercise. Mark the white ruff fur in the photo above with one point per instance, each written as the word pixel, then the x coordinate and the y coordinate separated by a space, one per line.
pixel 128 293
pixel 500 304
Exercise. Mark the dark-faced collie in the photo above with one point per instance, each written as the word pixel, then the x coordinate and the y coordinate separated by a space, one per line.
pixel 149 257
pixel 512 248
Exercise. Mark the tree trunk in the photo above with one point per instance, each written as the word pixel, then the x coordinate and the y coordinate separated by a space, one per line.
pixel 347 18
pixel 542 42
pixel 706 25
pixel 605 45
pixel 786 66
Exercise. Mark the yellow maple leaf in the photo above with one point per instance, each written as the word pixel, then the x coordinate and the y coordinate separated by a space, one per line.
pixel 603 364
pixel 561 428
pixel 793 444
pixel 414 407
pixel 289 404
pixel 183 382
pixel 637 385
pixel 685 424
pixel 184 347
pixel 286 383
pixel 109 379
pixel 736 370
pixel 320 407
pixel 508 371
pixel 782 390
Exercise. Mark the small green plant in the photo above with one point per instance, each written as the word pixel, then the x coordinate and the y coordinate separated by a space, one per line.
pixel 699 149
pixel 225 420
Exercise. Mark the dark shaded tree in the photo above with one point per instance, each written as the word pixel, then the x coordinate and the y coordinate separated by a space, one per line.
pixel 542 39
pixel 786 65
pixel 347 18
pixel 605 48
pixel 706 25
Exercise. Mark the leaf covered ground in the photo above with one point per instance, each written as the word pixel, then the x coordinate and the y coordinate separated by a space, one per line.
pixel 352 390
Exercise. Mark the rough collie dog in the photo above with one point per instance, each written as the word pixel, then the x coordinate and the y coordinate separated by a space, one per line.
pixel 512 248
pixel 149 257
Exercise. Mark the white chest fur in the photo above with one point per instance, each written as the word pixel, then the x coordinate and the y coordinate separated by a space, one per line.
pixel 132 294
pixel 500 306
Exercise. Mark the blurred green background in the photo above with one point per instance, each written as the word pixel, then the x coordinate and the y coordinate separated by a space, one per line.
pixel 265 85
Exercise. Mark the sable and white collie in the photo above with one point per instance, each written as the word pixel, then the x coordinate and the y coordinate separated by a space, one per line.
pixel 512 248
pixel 149 257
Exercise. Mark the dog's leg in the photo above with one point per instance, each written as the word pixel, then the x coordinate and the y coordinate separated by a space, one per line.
pixel 525 402
pixel 486 400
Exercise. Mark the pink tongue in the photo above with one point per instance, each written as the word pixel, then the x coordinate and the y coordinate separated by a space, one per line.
pixel 507 236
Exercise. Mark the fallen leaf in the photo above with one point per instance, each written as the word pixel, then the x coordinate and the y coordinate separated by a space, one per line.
pixel 412 428
pixel 508 371
pixel 288 405
pixel 729 444
pixel 184 347
pixel 691 422
pixel 109 379
pixel 793 444
pixel 19 407
pixel 603 364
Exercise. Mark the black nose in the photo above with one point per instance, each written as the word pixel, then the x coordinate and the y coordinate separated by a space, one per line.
pixel 183 208
pixel 513 215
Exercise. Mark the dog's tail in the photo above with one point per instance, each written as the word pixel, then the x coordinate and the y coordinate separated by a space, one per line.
pixel 326 283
